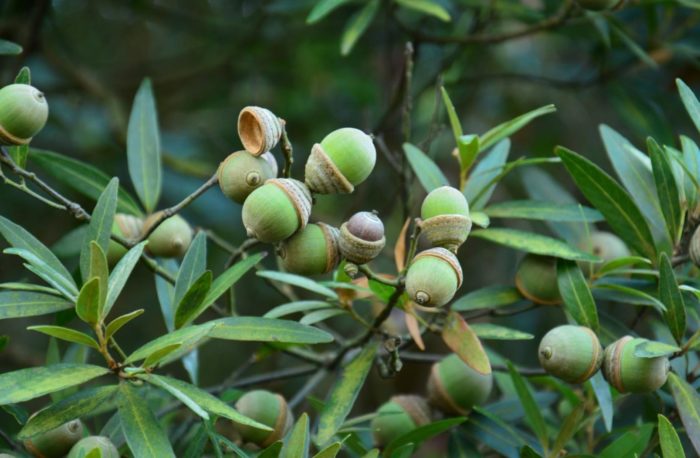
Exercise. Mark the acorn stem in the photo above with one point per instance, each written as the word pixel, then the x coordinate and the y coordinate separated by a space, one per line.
pixel 369 273
pixel 413 246
pixel 287 151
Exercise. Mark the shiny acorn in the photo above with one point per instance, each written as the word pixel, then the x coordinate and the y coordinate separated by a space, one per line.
pixel 571 353
pixel 268 408
pixel 56 442
pixel 241 173
pixel 343 159
pixel 629 373
pixel 536 279
pixel 400 415
pixel 128 227
pixel 276 210
pixel 445 215
pixel 604 245
pixel 172 237
pixel 23 113
pixel 362 237
pixel 90 443
pixel 433 277
pixel 455 388
pixel 259 129
pixel 311 251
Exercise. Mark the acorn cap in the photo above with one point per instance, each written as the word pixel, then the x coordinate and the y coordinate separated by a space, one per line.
pixel 90 443
pixel 536 279
pixel 268 408
pixel 455 388
pixel 172 237
pixel 311 251
pixel 56 442
pixel 398 416
pixel 433 277
pixel 694 247
pixel 571 353
pixel 629 373
pixel 242 173
pixel 128 227
pixel 357 250
pixel 259 129
pixel 23 113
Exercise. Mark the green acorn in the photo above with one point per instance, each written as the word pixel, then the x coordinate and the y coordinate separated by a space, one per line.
pixel 455 388
pixel 605 245
pixel 629 373
pixel 267 408
pixel 362 237
pixel 400 415
pixel 599 5
pixel 343 159
pixel 90 443
pixel 433 277
pixel 571 353
pixel 56 442
pixel 242 173
pixel 536 279
pixel 128 227
pixel 23 113
pixel 445 214
pixel 172 237
pixel 311 251
pixel 259 129
pixel 276 210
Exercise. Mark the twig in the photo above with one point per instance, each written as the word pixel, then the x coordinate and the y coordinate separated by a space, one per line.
pixel 9 440
pixel 288 153
pixel 430 358
pixel 308 387
pixel 240 251
pixel 407 96
pixel 282 374
pixel 369 273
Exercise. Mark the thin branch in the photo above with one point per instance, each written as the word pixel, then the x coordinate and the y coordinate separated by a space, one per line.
pixel 430 358
pixel 288 153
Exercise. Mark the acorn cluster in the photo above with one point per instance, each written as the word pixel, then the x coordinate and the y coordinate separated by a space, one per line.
pixel 68 440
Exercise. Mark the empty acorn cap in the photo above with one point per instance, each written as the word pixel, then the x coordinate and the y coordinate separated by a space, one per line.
pixel 398 416
pixel 629 373
pixel 571 353
pixel 259 129
pixel 23 113
pixel 433 277
pixel 311 251
pixel 455 388
pixel 267 408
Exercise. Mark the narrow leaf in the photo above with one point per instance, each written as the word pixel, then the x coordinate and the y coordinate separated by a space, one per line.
pixel 486 298
pixel 8 48
pixel 508 128
pixel 428 7
pixel 671 446
pixel 20 304
pixel 26 384
pixel 143 433
pixel 576 294
pixel 357 25
pixel 193 266
pixel 121 321
pixel 298 280
pixel 297 443
pixel 256 329
pixel 67 334
pixel 464 342
pixel 533 414
pixel 190 306
pixel 688 405
pixel 88 304
pixel 666 188
pixel 427 172
pixel 323 8
pixel 544 211
pixel 690 101
pixel 100 227
pixel 183 336
pixel 671 296
pixel 533 243
pixel 423 433
pixel 229 278
pixel 120 274
pixel 490 331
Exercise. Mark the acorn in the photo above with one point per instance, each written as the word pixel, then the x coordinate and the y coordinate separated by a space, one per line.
pixel 600 5
pixel 694 247
pixel 23 113
pixel 571 353
pixel 276 210
pixel 343 159
pixel 128 227
pixel 242 173
pixel 433 277
pixel 311 251
pixel 267 408
pixel 455 388
pixel 172 237
pixel 629 373
pixel 90 443
pixel 398 416
pixel 362 237
pixel 445 214
pixel 536 279
pixel 259 129
pixel 605 245
pixel 56 442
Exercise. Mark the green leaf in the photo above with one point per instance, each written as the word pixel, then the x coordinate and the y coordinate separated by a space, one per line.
pixel 423 433
pixel 143 147
pixel 688 404
pixel 120 274
pixel 480 219
pixel 490 331
pixel 428 7
pixel 229 278
pixel 26 384
pixel 297 443
pixel 24 76
pixel 631 296
pixel 100 227
pixel 508 128
pixel 464 342
pixel 671 446
pixel 357 25
pixel 533 243
pixel 88 304
pixel 671 296
pixel 8 48
pixel 323 8
pixel 486 298
pixel 321 315
pixel 39 268
pixel 612 201
pixel 20 304
pixel 631 443
pixel 68 334
pixel 533 413
pixel 164 383
pixel 190 307
pixel 296 307
pixel 484 178
pixel 576 294
pixel 257 329
pixel 79 405
pixel 143 433
pixel 193 266
pixel 633 46
pixel 157 356
pixel 456 126
pixel 544 211
pixel 120 321
pixel 427 172
pixel 568 429
pixel 615 264
pixel 666 189
pixel 19 154
pixel 344 393
pixel 652 349
pixel 690 101
pixel 182 336
pixel 82 177
pixel 601 389
pixel 331 451
pixel 298 280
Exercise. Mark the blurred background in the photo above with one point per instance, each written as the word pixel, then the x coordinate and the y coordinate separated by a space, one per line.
pixel 209 58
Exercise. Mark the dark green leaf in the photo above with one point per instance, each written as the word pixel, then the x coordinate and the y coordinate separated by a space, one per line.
pixel 24 76
pixel 533 414
pixel 88 305
pixel 100 227
pixel 490 331
pixel 8 48
pixel 184 336
pixel 26 384
pixel 427 172
pixel 19 304
pixel 229 278
pixel 120 321
pixel 464 342
pixel 576 294
pixel 324 8
pixel 157 356
pixel 688 405
pixel 193 266
pixel 143 433
pixel 257 329
pixel 533 243
pixel 429 7
pixel 568 429
pixel 486 298
pixel 670 295
pixel 357 25
pixel 330 452
pixel 671 446
pixel 508 128
pixel 298 280
pixel 545 211
pixel 631 443
pixel 190 307
pixel 666 189
pixel 423 433
pixel 297 443
pixel 68 334
pixel 120 274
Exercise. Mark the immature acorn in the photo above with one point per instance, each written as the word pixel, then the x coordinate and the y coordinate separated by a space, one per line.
pixel 343 159
pixel 605 245
pixel 23 113
pixel 599 5
pixel 90 443
pixel 128 227
pixel 362 237
pixel 694 247
pixel 170 239
pixel 571 353
pixel 311 251
pixel 433 277
pixel 445 214
pixel 56 442
pixel 267 408
pixel 629 373
pixel 536 279
pixel 276 210
pixel 455 388
pixel 259 129
pixel 242 173
pixel 398 416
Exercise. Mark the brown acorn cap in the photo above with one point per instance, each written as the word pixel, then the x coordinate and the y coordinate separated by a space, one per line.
pixel 357 250
pixel 612 367
pixel 300 196
pixel 332 236
pixel 416 407
pixel 448 231
pixel 322 176
pixel 447 256
pixel 259 129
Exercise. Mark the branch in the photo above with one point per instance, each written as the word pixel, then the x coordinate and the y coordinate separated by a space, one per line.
pixel 288 152
pixel 430 358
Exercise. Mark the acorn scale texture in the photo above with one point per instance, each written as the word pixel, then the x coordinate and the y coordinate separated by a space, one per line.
pixel 571 353
pixel 445 214
pixel 455 388
pixel 23 113
pixel 362 237
pixel 259 129
pixel 433 277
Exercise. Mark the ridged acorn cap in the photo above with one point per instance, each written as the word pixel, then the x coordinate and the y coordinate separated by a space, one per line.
pixel 90 443
pixel 455 388
pixel 128 227
pixel 56 442
pixel 599 5
pixel 23 113
pixel 172 237
pixel 362 237
pixel 629 373
pixel 433 277
pixel 276 210
pixel 268 408
pixel 242 173
pixel 536 279
pixel 311 251
pixel 605 245
pixel 571 353
pixel 259 129
pixel 400 415
pixel 343 159
pixel 446 222
pixel 694 247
